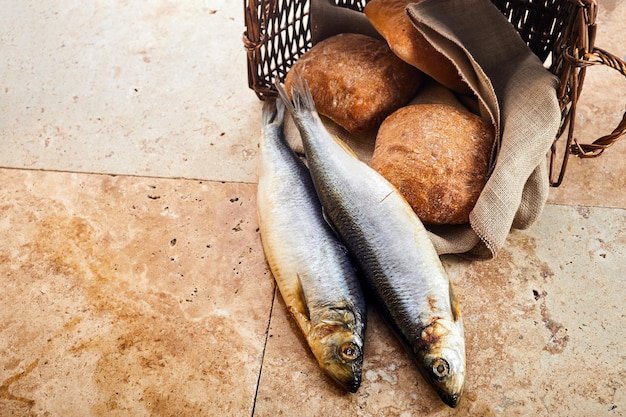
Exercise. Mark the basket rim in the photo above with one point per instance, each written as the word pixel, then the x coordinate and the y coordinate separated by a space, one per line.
pixel 570 47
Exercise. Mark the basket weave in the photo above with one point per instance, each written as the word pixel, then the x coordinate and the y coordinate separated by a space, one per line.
pixel 278 32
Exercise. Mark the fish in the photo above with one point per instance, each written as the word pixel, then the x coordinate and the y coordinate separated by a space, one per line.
pixel 390 247
pixel 312 268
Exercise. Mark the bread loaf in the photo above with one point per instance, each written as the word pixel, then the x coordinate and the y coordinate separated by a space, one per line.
pixel 437 156
pixel 356 80
pixel 391 20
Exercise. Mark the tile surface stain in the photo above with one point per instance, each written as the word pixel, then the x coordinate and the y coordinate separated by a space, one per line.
pixel 105 316
pixel 127 319
pixel 558 334
pixel 5 386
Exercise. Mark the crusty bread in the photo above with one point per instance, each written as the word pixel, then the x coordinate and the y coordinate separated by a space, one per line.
pixel 437 156
pixel 356 80
pixel 391 20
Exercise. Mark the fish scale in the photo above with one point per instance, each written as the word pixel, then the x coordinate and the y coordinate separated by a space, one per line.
pixel 312 268
pixel 390 247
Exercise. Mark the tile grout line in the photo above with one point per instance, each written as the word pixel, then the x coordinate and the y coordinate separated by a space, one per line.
pixel 267 332
pixel 135 175
pixel 594 206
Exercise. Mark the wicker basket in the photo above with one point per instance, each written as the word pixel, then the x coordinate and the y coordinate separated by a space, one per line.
pixel 278 32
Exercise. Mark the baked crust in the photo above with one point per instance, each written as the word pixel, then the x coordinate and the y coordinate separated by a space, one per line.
pixel 437 156
pixel 392 21
pixel 356 80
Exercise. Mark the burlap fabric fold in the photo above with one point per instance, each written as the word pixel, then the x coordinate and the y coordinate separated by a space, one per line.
pixel 515 92
pixel 519 95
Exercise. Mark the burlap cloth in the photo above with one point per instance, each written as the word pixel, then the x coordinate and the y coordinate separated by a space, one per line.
pixel 516 93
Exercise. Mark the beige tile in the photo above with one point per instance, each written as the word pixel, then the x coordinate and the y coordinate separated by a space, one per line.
pixel 154 88
pixel 129 296
pixel 159 88
pixel 543 333
pixel 537 330
pixel 291 380
pixel 102 312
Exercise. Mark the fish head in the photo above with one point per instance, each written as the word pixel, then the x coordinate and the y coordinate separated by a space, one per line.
pixel 441 356
pixel 337 343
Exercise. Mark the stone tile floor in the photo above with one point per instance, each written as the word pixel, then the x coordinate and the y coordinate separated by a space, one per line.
pixel 133 279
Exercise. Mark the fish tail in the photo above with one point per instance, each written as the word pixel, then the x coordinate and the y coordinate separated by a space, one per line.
pixel 285 98
pixel 273 112
pixel 301 93
pixel 302 98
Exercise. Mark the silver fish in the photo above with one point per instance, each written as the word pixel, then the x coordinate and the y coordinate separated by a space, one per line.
pixel 390 247
pixel 312 268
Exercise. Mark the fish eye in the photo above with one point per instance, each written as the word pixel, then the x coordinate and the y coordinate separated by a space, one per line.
pixel 440 368
pixel 349 351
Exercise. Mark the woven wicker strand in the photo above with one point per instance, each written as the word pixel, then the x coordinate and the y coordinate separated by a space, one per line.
pixel 278 32
pixel 575 52
pixel 592 150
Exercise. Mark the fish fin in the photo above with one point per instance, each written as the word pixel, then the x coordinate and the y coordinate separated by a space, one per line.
pixel 302 296
pixel 301 98
pixel 328 221
pixel 456 309
pixel 302 321
pixel 273 112
pixel 282 93
pixel 301 94
pixel 301 312
pixel 454 303
pixel 303 103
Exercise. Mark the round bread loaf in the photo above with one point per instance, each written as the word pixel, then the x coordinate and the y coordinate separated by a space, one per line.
pixel 438 157
pixel 391 20
pixel 356 80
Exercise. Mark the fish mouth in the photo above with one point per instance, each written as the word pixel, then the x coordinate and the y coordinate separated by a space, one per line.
pixel 349 384
pixel 451 400
pixel 339 354
pixel 346 375
pixel 442 362
pixel 353 387
pixel 448 395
